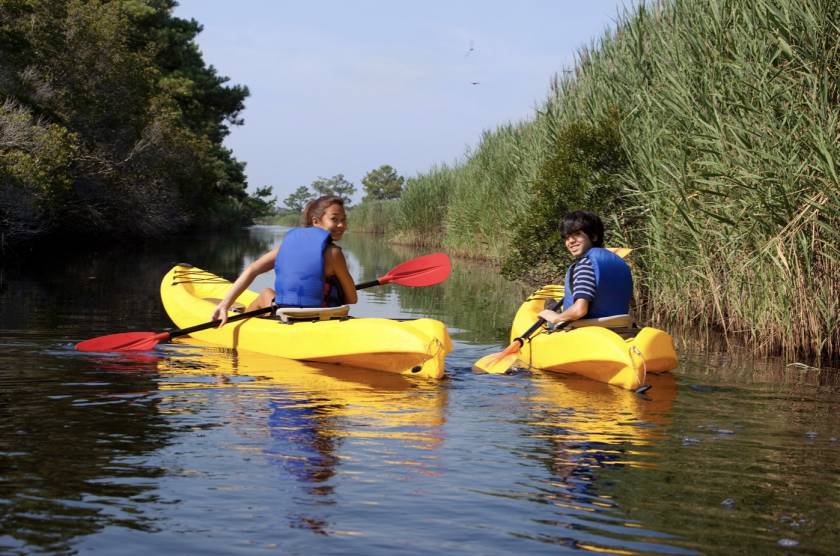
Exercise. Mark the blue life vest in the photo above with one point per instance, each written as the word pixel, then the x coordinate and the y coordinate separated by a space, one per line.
pixel 299 270
pixel 613 285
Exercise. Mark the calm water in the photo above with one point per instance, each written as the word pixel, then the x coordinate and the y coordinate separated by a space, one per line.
pixel 194 450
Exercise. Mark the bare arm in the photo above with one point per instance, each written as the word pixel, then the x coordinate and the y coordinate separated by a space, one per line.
pixel 263 264
pixel 577 311
pixel 336 266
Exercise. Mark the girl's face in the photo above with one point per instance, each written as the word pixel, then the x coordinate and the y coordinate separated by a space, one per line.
pixel 578 243
pixel 334 220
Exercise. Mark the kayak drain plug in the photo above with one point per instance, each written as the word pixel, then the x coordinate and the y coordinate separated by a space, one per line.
pixel 416 369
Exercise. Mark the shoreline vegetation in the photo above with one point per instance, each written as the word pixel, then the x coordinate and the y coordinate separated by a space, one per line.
pixel 706 134
pixel 111 125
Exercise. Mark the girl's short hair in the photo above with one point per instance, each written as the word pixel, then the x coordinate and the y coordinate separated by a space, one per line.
pixel 586 222
pixel 317 207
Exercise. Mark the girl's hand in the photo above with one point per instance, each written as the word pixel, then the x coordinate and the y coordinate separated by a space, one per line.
pixel 221 313
pixel 550 316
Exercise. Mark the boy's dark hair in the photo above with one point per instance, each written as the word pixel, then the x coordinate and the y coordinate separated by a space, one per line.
pixel 586 222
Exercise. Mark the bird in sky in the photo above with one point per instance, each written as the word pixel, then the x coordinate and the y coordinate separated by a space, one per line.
pixel 471 49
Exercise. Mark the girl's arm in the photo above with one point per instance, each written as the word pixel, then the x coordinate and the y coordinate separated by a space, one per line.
pixel 263 264
pixel 336 266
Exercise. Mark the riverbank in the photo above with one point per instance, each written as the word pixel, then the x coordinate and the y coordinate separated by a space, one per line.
pixel 707 136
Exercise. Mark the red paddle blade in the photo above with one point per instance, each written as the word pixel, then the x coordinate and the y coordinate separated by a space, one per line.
pixel 125 341
pixel 427 270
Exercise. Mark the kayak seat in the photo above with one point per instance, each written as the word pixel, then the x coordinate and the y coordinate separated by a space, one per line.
pixel 613 321
pixel 289 314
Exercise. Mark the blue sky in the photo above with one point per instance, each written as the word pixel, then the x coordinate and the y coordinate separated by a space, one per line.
pixel 346 86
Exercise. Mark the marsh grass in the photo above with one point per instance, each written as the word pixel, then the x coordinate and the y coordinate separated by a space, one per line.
pixel 378 217
pixel 733 136
pixel 723 175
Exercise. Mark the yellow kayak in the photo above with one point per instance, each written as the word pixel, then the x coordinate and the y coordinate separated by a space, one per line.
pixel 414 347
pixel 621 356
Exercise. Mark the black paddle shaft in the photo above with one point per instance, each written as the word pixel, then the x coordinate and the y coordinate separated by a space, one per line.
pixel 217 322
pixel 540 321
pixel 369 284
pixel 249 314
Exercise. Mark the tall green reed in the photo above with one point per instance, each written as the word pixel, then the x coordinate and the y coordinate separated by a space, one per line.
pixel 725 178
pixel 378 217
pixel 731 127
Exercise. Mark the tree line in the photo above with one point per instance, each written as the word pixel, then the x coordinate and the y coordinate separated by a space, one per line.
pixel 111 123
pixel 379 184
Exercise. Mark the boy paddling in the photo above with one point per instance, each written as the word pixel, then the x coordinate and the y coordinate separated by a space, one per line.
pixel 598 284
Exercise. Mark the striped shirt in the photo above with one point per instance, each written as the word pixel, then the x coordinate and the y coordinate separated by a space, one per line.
pixel 583 279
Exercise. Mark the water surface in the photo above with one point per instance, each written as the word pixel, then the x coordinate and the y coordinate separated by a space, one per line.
pixel 192 449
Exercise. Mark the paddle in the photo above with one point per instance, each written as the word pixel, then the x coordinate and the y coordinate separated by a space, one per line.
pixel 426 270
pixel 499 363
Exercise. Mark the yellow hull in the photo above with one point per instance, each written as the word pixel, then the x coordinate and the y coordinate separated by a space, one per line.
pixel 594 352
pixel 337 390
pixel 417 347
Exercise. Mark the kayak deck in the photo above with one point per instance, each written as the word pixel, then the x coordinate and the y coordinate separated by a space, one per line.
pixel 594 352
pixel 415 347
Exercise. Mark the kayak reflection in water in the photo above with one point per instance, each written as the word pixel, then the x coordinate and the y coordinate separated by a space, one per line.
pixel 310 269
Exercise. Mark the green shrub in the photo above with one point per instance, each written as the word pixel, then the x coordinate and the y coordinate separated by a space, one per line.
pixel 423 206
pixel 580 171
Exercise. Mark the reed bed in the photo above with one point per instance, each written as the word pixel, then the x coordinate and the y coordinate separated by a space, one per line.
pixel 732 131
pixel 725 179
pixel 423 207
pixel 377 217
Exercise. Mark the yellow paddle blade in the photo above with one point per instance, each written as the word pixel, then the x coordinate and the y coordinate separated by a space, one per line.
pixel 499 363
pixel 620 251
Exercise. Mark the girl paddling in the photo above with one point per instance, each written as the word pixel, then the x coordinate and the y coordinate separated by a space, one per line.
pixel 310 270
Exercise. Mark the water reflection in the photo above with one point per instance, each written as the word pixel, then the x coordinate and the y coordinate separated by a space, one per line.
pixel 311 410
pixel 754 449
pixel 586 427
pixel 193 450
pixel 110 290
pixel 577 412
pixel 75 430
pixel 73 443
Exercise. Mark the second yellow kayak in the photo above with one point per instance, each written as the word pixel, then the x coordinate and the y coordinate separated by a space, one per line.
pixel 596 352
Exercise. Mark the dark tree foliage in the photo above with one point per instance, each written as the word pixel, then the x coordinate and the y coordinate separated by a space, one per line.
pixel 111 122
pixel 336 185
pixel 580 172
pixel 298 199
pixel 383 183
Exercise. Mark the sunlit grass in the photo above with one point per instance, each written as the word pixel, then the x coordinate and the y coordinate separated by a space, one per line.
pixel 730 124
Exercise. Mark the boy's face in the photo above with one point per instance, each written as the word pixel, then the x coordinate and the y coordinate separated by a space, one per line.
pixel 578 243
